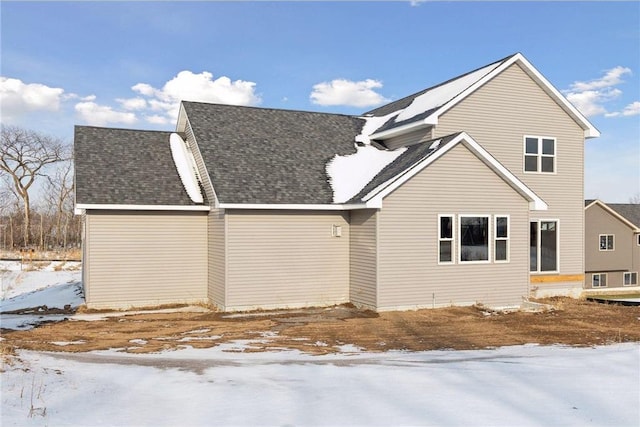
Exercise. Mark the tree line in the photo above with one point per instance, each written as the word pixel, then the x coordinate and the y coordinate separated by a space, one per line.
pixel 36 192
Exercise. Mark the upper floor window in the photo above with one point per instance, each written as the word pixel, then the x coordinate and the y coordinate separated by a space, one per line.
pixel 539 154
pixel 606 242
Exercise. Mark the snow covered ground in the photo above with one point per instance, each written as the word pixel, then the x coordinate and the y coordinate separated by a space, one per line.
pixel 510 386
pixel 54 285
pixel 227 385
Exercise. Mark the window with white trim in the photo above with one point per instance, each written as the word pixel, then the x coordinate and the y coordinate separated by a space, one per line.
pixel 539 154
pixel 543 246
pixel 599 280
pixel 474 238
pixel 606 242
pixel 630 278
pixel 445 239
pixel 501 239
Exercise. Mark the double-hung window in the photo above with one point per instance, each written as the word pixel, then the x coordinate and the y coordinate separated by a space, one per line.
pixel 630 278
pixel 445 239
pixel 606 242
pixel 543 246
pixel 539 154
pixel 501 245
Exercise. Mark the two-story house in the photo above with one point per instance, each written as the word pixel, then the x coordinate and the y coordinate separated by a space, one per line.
pixel 612 244
pixel 467 192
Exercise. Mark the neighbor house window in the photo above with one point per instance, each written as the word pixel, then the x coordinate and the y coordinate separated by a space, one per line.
pixel 630 278
pixel 543 246
pixel 501 249
pixel 539 154
pixel 606 242
pixel 445 238
pixel 599 280
pixel 474 238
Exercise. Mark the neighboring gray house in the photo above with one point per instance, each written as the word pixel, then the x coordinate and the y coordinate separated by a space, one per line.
pixel 469 191
pixel 612 244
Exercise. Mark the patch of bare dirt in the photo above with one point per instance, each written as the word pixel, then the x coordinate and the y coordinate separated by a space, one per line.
pixel 324 330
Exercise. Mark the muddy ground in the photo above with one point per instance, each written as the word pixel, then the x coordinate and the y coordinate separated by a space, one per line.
pixel 325 330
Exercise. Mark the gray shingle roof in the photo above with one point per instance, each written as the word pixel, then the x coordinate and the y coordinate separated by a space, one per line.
pixel 412 156
pixel 631 211
pixel 269 156
pixel 119 166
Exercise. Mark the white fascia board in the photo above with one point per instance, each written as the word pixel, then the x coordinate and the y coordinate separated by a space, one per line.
pixel 615 214
pixel 298 207
pixel 111 207
pixel 535 202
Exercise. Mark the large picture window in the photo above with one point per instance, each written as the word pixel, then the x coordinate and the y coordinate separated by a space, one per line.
pixel 543 246
pixel 539 154
pixel 474 238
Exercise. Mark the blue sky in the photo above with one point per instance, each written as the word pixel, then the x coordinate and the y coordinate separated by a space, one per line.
pixel 124 64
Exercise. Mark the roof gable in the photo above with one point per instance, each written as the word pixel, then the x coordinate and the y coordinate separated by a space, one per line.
pixel 627 213
pixel 419 156
pixel 424 108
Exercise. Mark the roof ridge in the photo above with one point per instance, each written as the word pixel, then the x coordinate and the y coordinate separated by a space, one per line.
pixel 254 107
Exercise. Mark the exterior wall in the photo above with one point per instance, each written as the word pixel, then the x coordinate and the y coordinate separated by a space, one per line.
pixel 498 115
pixel 278 259
pixel 363 258
pixel 409 138
pixel 624 257
pixel 216 262
pixel 409 275
pixel 137 259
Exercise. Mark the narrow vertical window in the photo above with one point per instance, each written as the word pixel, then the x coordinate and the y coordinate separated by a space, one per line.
pixel 445 238
pixel 474 238
pixel 606 242
pixel 501 238
pixel 533 247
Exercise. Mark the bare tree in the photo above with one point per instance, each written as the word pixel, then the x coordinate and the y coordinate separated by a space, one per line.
pixel 59 197
pixel 635 199
pixel 24 153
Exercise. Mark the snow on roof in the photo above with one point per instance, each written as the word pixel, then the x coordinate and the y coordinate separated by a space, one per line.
pixel 350 173
pixel 185 165
pixel 440 95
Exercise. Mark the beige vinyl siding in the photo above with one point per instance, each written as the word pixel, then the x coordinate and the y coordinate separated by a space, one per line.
pixel 409 275
pixel 145 258
pixel 623 258
pixel 363 251
pixel 217 257
pixel 410 138
pixel 279 259
pixel 498 115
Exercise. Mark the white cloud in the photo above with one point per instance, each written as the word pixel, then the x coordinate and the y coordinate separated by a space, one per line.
pixel 591 97
pixel 100 115
pixel 133 103
pixel 18 98
pixel 632 109
pixel 188 86
pixel 349 93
